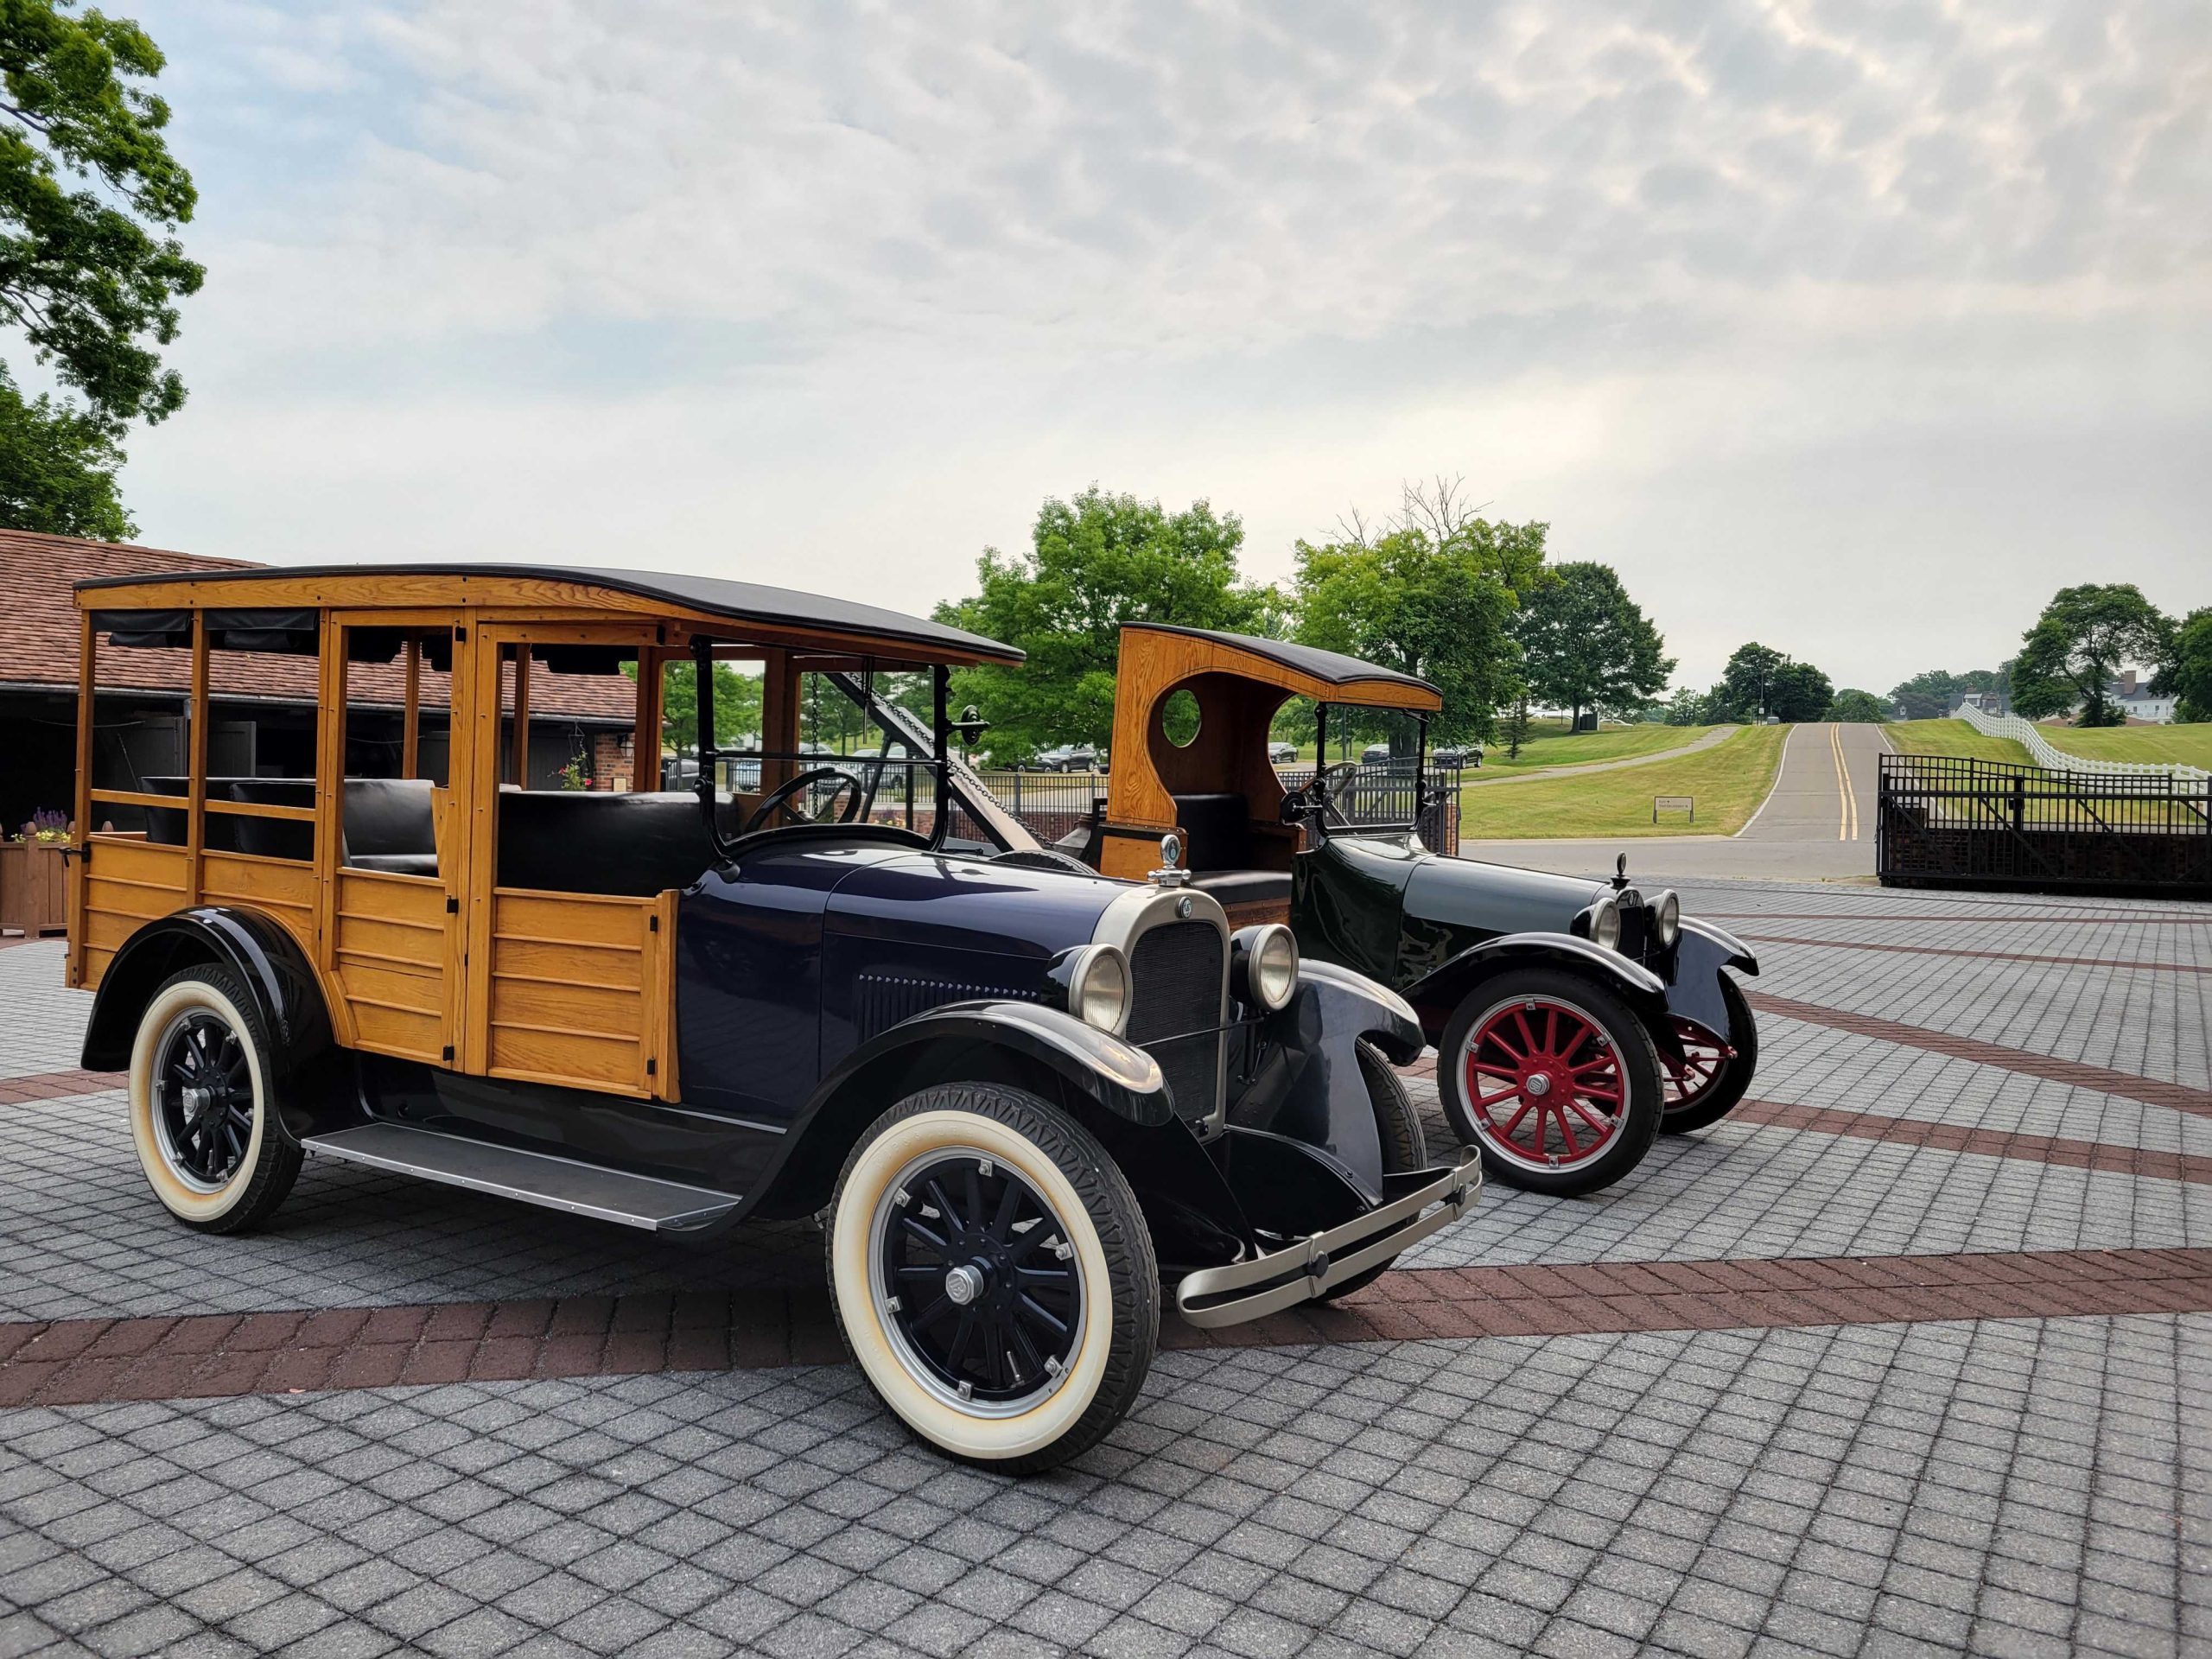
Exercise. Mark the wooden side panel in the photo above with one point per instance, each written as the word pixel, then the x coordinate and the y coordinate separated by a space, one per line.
pixel 283 888
pixel 390 962
pixel 129 883
pixel 579 990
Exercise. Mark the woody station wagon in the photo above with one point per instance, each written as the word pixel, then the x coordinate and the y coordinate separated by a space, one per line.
pixel 1029 1102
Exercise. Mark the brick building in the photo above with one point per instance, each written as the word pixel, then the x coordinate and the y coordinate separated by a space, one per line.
pixel 263 707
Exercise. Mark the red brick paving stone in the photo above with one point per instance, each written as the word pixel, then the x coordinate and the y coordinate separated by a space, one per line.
pixel 1985 956
pixel 2151 1091
pixel 503 1359
pixel 437 1362
pixel 2110 1157
pixel 568 1356
pixel 403 1325
pixel 647 1311
pixel 220 1354
pixel 457 1321
pixel 56 1086
pixel 370 1365
pixel 581 1316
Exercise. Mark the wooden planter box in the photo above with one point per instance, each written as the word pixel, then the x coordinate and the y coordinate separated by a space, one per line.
pixel 34 891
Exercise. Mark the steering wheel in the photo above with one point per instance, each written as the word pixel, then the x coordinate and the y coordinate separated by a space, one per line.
pixel 1313 798
pixel 781 796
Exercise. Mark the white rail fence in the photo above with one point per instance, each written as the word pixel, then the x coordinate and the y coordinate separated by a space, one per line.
pixel 2039 748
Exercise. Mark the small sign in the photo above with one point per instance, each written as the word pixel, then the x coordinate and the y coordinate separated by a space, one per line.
pixel 1674 804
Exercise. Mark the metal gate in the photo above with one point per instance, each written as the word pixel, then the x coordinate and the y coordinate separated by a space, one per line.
pixel 1949 821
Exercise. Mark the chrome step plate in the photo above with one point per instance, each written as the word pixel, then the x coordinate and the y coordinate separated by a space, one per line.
pixel 533 1177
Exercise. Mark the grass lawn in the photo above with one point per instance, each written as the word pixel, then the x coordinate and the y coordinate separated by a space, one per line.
pixel 2190 745
pixel 1558 747
pixel 1729 780
pixel 1954 737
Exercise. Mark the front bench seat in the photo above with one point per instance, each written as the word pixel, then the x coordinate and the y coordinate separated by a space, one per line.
pixel 1217 831
pixel 634 845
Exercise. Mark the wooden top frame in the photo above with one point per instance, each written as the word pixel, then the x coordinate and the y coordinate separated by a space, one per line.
pixel 1240 683
pixel 680 606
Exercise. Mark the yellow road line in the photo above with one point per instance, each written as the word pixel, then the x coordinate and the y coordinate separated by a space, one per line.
pixel 1847 822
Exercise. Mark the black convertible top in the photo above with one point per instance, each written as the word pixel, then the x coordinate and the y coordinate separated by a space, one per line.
pixel 1331 668
pixel 739 601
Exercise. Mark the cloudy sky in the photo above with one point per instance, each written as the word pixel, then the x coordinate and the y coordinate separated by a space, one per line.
pixel 1855 328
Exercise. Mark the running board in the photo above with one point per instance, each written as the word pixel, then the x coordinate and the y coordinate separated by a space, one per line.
pixel 534 1176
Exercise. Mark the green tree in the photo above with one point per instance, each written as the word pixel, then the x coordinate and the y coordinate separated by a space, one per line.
pixel 737 704
pixel 1927 697
pixel 1403 602
pixel 1857 708
pixel 1800 692
pixel 1746 688
pixel 1587 645
pixel 1095 563
pixel 90 276
pixel 1688 708
pixel 57 470
pixel 2187 672
pixel 2069 659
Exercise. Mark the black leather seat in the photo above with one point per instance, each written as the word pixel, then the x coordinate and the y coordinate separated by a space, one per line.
pixel 1219 829
pixel 587 842
pixel 270 837
pixel 390 826
pixel 165 825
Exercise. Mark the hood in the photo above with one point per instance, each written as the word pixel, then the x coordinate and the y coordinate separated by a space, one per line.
pixel 947 900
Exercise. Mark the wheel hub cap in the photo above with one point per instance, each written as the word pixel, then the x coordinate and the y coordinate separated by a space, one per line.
pixel 963 1286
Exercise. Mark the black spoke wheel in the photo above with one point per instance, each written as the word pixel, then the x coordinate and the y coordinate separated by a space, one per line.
pixel 203 1096
pixel 977 1278
pixel 201 1112
pixel 993 1276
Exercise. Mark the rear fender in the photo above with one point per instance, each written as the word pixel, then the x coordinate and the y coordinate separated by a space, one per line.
pixel 269 962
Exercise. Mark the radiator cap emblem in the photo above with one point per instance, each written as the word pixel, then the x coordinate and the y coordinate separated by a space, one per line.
pixel 1170 854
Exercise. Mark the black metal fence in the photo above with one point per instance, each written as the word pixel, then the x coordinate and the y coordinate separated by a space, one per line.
pixel 1948 822
pixel 1051 805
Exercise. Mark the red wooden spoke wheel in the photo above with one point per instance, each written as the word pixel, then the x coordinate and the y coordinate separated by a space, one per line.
pixel 1543 1084
pixel 1704 1061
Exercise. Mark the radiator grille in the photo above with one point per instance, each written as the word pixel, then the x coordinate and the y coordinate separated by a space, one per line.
pixel 1177 969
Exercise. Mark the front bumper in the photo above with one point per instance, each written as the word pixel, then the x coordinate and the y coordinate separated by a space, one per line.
pixel 1413 1206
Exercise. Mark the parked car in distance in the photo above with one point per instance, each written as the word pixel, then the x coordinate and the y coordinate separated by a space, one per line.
pixel 1457 757
pixel 1574 1018
pixel 1282 754
pixel 1067 757
pixel 1034 1110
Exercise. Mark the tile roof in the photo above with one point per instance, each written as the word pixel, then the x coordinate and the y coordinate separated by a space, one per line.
pixel 39 646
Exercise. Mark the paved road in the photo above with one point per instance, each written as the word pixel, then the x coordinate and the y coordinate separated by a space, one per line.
pixel 1818 824
pixel 1717 735
pixel 1918 1433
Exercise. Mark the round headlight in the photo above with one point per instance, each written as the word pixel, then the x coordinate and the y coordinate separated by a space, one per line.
pixel 1274 973
pixel 1099 994
pixel 1666 917
pixel 1605 924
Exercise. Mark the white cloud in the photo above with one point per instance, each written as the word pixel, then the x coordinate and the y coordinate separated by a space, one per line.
pixel 633 281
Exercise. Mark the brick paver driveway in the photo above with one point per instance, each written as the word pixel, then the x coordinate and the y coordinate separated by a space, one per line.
pixel 1913 1354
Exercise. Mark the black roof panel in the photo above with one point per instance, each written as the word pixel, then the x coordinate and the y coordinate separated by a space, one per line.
pixel 740 601
pixel 1331 667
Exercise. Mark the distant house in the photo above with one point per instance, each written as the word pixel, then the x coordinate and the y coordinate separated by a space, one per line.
pixel 2142 706
pixel 1987 703
pixel 263 711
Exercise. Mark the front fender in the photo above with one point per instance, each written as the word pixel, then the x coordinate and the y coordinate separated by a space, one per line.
pixel 1107 1083
pixel 1438 994
pixel 1694 985
pixel 1304 1082
pixel 270 962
